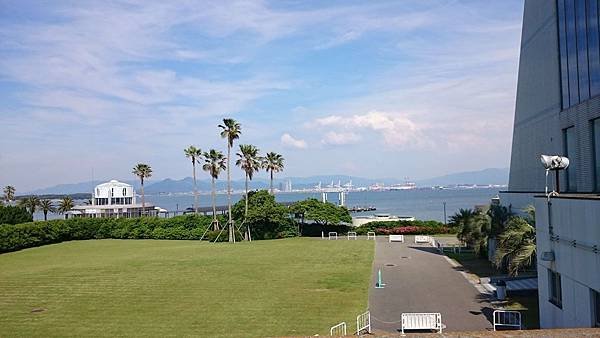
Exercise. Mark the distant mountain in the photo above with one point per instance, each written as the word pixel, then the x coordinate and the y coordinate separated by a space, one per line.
pixel 496 176
pixel 168 185
pixel 74 188
pixel 187 184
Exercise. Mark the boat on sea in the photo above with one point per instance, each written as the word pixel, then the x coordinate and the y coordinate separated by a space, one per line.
pixel 404 186
pixel 362 220
pixel 362 208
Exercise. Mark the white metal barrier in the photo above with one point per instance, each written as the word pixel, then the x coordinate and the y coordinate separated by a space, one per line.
pixel 338 330
pixel 370 235
pixel 422 321
pixel 363 323
pixel 397 238
pixel 509 319
pixel 422 239
pixel 351 235
pixel 333 235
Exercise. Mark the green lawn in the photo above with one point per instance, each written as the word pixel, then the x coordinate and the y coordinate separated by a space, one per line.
pixel 160 288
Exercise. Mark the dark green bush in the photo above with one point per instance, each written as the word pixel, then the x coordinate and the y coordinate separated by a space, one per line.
pixel 14 215
pixel 266 218
pixel 25 235
pixel 314 230
pixel 431 226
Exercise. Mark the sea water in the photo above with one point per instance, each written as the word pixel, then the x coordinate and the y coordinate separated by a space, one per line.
pixel 424 204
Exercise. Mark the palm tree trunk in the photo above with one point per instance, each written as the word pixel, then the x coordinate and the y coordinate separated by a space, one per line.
pixel 247 236
pixel 45 215
pixel 214 205
pixel 231 234
pixel 143 198
pixel 195 189
pixel 246 211
pixel 271 187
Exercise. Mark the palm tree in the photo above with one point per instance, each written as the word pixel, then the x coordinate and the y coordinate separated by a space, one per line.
pixel 499 216
pixel 195 155
pixel 65 205
pixel 231 131
pixel 250 162
pixel 273 163
pixel 142 171
pixel 46 206
pixel 214 162
pixel 30 203
pixel 9 193
pixel 461 217
pixel 516 246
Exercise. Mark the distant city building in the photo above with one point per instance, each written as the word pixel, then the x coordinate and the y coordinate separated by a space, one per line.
pixel 114 199
pixel 558 113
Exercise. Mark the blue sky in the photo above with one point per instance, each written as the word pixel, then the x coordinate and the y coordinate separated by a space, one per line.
pixel 369 88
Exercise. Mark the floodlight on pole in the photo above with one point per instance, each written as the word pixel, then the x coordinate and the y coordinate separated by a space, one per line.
pixel 555 163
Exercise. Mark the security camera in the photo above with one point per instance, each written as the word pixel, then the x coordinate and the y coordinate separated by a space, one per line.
pixel 554 162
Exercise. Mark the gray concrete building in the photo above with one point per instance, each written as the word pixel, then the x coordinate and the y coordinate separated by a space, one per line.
pixel 557 112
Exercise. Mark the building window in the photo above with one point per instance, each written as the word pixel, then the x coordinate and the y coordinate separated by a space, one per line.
pixel 596 152
pixel 570 149
pixel 579 50
pixel 555 288
pixel 596 307
pixel 124 192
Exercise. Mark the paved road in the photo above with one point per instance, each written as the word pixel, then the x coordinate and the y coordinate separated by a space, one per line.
pixel 421 280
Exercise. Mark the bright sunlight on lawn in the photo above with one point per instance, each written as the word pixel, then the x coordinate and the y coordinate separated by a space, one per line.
pixel 158 288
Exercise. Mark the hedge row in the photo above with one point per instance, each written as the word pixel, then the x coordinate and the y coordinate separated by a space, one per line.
pixel 374 226
pixel 32 234
pixel 413 230
pixel 14 215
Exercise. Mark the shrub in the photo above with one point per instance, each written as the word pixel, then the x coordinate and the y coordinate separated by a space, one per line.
pixel 433 227
pixel 14 215
pixel 25 235
pixel 413 230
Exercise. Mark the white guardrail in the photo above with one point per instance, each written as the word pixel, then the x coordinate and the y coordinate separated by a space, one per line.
pixel 352 235
pixel 333 235
pixel 509 319
pixel 422 321
pixel 363 323
pixel 396 238
pixel 370 235
pixel 338 330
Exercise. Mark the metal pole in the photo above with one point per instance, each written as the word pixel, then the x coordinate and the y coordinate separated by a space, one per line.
pixel 445 222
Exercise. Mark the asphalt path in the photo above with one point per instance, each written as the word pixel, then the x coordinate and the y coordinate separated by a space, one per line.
pixel 418 279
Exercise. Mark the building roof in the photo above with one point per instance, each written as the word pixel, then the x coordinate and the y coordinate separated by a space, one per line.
pixel 114 184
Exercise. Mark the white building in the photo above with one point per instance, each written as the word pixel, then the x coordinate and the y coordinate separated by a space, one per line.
pixel 114 199
pixel 557 112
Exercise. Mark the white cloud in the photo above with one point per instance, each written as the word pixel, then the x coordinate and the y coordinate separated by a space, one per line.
pixel 289 141
pixel 395 128
pixel 340 138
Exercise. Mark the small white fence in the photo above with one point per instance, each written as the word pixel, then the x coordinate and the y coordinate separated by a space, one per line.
pixel 396 238
pixel 333 235
pixel 363 323
pixel 422 321
pixel 338 330
pixel 370 235
pixel 507 319
pixel 352 235
pixel 422 239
